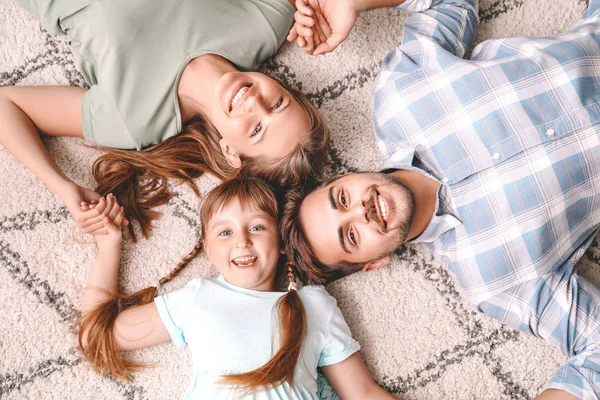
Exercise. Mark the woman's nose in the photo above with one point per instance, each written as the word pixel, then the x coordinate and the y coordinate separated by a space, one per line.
pixel 254 103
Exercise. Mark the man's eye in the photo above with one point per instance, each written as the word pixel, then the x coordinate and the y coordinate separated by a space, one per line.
pixel 256 130
pixel 256 228
pixel 279 103
pixel 225 233
pixel 352 237
pixel 343 199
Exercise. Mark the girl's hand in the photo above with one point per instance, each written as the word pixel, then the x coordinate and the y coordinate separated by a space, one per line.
pixel 110 236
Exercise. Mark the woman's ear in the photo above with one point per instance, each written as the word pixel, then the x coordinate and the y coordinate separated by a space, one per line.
pixel 230 154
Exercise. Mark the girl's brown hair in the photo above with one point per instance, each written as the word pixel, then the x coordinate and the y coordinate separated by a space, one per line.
pixel 97 325
pixel 139 179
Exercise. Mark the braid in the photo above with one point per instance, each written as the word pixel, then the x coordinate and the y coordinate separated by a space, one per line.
pixel 292 277
pixel 184 262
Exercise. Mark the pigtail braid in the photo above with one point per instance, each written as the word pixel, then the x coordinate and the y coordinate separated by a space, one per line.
pixel 282 366
pixel 183 263
pixel 96 328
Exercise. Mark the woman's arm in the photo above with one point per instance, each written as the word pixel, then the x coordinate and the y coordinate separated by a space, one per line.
pixel 136 327
pixel 352 380
pixel 55 111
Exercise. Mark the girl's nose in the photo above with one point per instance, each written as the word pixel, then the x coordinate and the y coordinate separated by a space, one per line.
pixel 243 241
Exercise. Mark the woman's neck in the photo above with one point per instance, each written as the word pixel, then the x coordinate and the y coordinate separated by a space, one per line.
pixel 197 84
pixel 424 191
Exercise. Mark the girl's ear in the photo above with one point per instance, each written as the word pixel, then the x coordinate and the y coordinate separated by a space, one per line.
pixel 230 154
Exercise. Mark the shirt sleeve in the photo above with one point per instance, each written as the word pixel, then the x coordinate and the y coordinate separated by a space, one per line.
pixel 102 122
pixel 340 344
pixel 449 24
pixel 174 309
pixel 564 309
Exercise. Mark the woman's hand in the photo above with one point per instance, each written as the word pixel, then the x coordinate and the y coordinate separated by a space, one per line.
pixel 321 25
pixel 87 208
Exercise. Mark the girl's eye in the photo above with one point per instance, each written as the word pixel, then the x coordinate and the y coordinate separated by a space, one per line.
pixel 256 130
pixel 256 228
pixel 225 233
pixel 343 199
pixel 279 103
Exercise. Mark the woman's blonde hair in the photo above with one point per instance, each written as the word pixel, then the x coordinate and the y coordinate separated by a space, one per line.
pixel 97 325
pixel 139 179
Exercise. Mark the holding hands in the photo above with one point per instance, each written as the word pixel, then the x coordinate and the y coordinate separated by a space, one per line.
pixel 321 25
pixel 103 219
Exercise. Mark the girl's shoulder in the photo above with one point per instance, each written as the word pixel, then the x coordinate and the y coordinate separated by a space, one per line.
pixel 316 297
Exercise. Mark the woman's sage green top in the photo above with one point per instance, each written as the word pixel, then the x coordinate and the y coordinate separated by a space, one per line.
pixel 132 53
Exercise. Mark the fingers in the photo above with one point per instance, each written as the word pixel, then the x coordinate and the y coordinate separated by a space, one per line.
pixel 322 28
pixel 293 35
pixel 302 7
pixel 120 218
pixel 303 19
pixel 328 46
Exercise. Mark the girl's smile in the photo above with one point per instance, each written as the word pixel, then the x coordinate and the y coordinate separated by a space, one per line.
pixel 242 242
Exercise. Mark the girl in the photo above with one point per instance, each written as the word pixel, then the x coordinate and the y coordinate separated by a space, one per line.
pixel 227 321
pixel 163 77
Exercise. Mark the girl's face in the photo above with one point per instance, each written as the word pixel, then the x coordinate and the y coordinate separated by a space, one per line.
pixel 256 116
pixel 242 242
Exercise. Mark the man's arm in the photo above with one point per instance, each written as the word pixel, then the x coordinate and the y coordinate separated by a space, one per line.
pixel 321 25
pixel 564 309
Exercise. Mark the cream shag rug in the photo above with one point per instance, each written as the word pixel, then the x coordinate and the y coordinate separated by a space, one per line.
pixel 419 337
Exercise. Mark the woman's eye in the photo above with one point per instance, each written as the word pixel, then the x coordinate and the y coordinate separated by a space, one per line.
pixel 256 130
pixel 352 236
pixel 225 233
pixel 256 228
pixel 279 103
pixel 343 199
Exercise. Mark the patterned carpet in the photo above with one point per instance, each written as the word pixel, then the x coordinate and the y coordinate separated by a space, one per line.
pixel 420 338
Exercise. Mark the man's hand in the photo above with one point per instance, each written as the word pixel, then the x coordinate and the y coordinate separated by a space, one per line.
pixel 321 25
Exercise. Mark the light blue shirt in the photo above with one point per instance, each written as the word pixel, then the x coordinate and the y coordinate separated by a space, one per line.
pixel 231 330
pixel 513 136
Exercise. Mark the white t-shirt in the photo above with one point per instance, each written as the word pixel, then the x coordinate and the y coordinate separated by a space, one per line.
pixel 232 330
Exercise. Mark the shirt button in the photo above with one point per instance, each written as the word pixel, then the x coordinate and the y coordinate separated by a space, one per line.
pixel 445 180
pixel 550 132
pixel 495 156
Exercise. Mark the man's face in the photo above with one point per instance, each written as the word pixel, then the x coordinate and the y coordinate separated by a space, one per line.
pixel 357 218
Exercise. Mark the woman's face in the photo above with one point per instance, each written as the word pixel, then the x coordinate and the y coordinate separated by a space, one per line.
pixel 256 116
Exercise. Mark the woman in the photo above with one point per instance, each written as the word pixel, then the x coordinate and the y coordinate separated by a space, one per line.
pixel 164 79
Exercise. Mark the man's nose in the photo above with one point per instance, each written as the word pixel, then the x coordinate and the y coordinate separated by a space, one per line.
pixel 358 213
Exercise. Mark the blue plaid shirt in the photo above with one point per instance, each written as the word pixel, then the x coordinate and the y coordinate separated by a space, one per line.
pixel 513 136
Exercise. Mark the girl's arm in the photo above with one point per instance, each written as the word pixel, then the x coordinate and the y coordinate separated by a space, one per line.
pixel 136 327
pixel 352 380
pixel 56 111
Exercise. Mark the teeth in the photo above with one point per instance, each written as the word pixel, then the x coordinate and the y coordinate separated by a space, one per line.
pixel 238 96
pixel 382 208
pixel 244 260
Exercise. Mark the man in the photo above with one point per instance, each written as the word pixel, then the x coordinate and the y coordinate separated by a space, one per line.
pixel 493 163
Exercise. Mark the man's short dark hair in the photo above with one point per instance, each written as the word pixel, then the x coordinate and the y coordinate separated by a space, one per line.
pixel 299 252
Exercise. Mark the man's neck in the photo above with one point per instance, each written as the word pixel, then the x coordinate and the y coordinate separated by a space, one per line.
pixel 424 191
